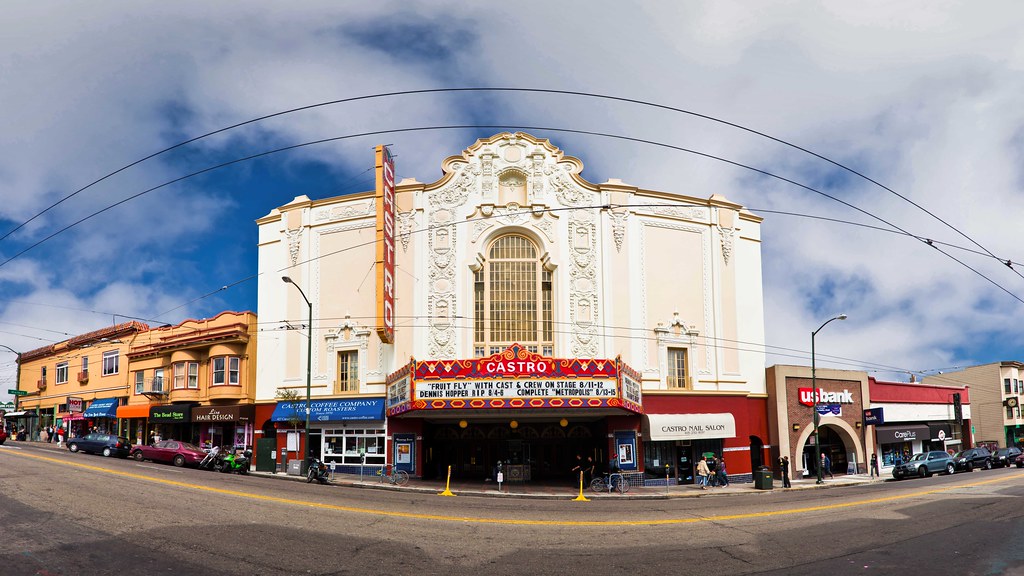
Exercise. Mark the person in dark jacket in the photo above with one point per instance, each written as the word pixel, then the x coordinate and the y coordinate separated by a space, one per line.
pixel 784 465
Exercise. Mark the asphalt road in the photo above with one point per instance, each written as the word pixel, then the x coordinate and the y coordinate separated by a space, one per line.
pixel 65 513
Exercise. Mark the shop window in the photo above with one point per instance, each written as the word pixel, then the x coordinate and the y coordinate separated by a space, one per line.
pixel 676 375
pixel 347 445
pixel 225 371
pixel 140 381
pixel 61 373
pixel 513 298
pixel 348 371
pixel 111 361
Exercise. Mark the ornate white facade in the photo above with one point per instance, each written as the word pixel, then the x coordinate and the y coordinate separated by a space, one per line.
pixel 635 273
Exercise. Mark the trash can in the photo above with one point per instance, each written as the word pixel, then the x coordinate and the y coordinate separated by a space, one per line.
pixel 763 478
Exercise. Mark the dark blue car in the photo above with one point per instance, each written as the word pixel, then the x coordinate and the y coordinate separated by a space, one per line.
pixel 106 444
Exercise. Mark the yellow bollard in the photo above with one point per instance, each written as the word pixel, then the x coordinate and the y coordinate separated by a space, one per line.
pixel 581 497
pixel 447 484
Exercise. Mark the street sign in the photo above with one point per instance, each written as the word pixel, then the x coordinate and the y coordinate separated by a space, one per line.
pixel 17 392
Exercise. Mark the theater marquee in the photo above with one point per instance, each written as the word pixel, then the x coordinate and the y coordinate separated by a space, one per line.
pixel 515 378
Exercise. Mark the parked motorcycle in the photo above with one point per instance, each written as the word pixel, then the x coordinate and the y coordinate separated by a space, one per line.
pixel 211 460
pixel 317 471
pixel 234 462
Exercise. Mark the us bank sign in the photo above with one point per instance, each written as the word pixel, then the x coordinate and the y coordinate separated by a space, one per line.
pixel 808 397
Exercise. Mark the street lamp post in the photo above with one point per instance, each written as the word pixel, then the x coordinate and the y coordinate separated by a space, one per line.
pixel 17 375
pixel 817 397
pixel 309 368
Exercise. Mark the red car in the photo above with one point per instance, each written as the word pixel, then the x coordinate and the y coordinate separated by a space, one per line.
pixel 170 451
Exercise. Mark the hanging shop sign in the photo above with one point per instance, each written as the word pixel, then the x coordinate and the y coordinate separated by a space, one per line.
pixel 874 416
pixel 385 263
pixel 75 405
pixel 515 378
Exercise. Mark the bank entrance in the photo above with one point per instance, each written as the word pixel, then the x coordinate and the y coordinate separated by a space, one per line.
pixel 832 445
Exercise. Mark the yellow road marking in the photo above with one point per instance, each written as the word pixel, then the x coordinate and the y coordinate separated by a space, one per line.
pixel 353 509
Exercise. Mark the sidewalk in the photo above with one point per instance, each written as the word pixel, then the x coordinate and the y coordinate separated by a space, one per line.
pixel 546 490
pixel 564 492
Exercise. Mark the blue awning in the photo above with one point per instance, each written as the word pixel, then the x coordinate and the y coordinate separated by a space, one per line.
pixel 330 410
pixel 101 408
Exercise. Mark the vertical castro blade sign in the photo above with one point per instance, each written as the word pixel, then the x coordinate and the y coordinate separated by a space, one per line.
pixel 385 195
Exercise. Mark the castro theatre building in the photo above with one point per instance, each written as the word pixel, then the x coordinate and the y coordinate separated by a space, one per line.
pixel 514 312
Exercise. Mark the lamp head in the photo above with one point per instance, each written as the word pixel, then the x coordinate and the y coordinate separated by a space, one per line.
pixel 287 280
pixel 840 317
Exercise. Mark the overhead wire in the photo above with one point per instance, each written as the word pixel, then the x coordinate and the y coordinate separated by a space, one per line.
pixel 533 128
pixel 579 93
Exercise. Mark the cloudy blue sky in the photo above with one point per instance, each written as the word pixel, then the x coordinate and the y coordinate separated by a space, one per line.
pixel 923 97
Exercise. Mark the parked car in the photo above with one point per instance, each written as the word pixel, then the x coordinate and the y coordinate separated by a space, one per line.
pixel 925 464
pixel 972 458
pixel 1019 461
pixel 106 444
pixel 1005 456
pixel 170 451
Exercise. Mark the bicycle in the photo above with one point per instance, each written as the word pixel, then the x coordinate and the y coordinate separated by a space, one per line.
pixel 396 476
pixel 614 481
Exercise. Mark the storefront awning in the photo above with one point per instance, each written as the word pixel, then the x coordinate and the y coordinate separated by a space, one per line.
pixel 136 411
pixel 101 408
pixel 19 414
pixel 70 416
pixel 330 410
pixel 898 434
pixel 689 426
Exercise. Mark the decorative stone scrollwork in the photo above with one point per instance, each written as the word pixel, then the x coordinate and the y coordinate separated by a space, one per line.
pixel 511 214
pixel 619 228
pixel 406 224
pixel 294 244
pixel 727 235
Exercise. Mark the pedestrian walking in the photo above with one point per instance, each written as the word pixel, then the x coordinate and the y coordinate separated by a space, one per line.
pixel 49 433
pixel 588 471
pixel 60 436
pixel 784 464
pixel 826 466
pixel 577 470
pixel 712 471
pixel 874 466
pixel 723 476
pixel 703 472
pixel 44 436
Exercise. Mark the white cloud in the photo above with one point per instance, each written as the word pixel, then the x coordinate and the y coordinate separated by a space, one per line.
pixel 921 96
